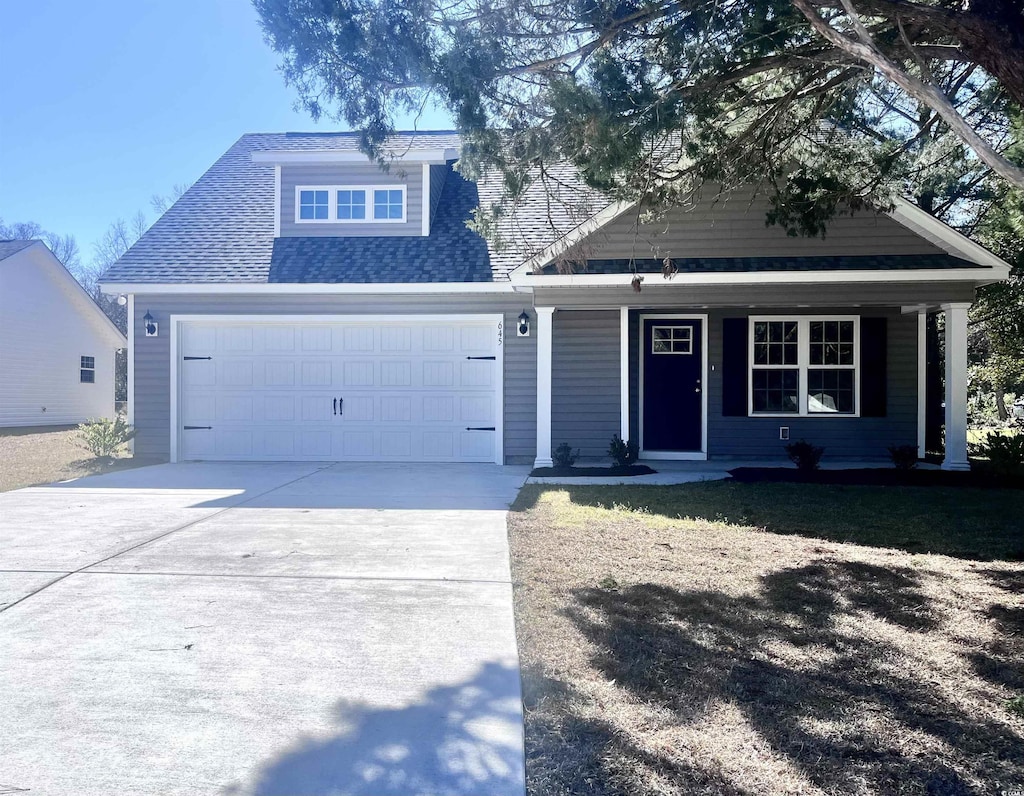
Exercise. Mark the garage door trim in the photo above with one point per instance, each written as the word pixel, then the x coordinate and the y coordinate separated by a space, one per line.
pixel 177 320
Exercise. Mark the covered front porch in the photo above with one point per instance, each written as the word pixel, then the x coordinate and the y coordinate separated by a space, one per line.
pixel 715 376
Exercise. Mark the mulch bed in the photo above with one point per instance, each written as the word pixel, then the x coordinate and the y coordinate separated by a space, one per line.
pixel 592 472
pixel 878 476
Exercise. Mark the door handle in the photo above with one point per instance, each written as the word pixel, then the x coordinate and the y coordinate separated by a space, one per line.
pixel 335 406
pixel 341 407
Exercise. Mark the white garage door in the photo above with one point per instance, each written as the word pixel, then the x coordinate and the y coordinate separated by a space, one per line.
pixel 381 389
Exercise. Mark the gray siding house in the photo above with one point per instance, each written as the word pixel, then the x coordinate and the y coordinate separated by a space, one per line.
pixel 301 303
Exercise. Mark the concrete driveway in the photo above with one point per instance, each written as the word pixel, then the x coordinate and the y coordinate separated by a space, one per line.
pixel 259 630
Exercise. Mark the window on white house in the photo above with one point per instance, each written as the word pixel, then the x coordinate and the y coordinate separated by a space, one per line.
pixel 351 204
pixel 804 366
pixel 389 204
pixel 313 205
pixel 87 370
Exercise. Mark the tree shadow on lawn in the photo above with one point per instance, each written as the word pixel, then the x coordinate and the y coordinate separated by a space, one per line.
pixel 839 705
pixel 976 524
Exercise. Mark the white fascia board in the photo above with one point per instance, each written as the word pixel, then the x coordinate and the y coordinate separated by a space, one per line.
pixel 271 289
pixel 571 238
pixel 354 156
pixel 976 275
pixel 930 228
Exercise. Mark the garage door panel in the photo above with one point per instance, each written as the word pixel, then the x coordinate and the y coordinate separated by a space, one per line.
pixel 391 391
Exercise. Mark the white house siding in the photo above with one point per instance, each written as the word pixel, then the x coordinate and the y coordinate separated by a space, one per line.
pixel 46 325
pixel 153 365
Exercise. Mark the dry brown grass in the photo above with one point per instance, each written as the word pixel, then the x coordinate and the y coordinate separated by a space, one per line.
pixel 708 656
pixel 41 455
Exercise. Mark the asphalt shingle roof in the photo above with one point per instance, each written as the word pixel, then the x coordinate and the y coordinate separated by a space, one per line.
pixel 222 230
pixel 9 247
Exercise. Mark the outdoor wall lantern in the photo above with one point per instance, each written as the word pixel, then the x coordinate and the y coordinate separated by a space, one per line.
pixel 152 327
pixel 523 327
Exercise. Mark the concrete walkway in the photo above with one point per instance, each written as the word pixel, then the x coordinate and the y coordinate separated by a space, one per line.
pixel 261 629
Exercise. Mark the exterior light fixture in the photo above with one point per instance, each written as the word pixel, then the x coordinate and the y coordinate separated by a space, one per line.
pixel 152 327
pixel 523 326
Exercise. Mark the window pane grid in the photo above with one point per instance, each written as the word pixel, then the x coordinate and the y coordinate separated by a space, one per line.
pixel 313 205
pixel 351 205
pixel 672 340
pixel 803 366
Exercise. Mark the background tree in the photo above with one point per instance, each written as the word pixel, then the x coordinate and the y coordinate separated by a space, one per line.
pixel 828 105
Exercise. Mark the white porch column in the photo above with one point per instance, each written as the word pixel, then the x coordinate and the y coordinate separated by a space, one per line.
pixel 956 386
pixel 922 383
pixel 624 373
pixel 544 318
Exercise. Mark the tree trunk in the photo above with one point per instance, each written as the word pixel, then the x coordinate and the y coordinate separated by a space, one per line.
pixel 1001 405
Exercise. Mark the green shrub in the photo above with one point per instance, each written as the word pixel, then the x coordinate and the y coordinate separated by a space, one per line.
pixel 623 453
pixel 804 455
pixel 103 438
pixel 563 456
pixel 904 457
pixel 1005 452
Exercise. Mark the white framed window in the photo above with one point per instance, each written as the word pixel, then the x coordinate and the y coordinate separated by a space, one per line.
pixel 389 204
pixel 312 204
pixel 350 204
pixel 804 365
pixel 87 370
pixel 671 339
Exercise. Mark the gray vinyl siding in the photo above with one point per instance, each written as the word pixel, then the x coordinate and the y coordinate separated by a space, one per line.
pixel 679 297
pixel 842 437
pixel 351 174
pixel 728 437
pixel 153 365
pixel 585 380
pixel 438 174
pixel 735 227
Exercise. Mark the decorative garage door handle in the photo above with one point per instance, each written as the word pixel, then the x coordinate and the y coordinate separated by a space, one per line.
pixel 193 428
pixel 480 428
pixel 341 406
pixel 191 358
pixel 481 357
pixel 335 406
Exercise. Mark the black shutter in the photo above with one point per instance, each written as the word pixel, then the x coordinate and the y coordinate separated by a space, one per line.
pixel 873 376
pixel 734 367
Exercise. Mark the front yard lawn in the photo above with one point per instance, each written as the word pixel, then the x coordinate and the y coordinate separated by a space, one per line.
pixel 42 455
pixel 724 638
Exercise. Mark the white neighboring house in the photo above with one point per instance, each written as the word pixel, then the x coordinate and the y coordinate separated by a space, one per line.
pixel 57 347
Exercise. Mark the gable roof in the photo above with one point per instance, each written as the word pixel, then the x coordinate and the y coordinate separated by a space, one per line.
pixel 43 256
pixel 9 247
pixel 221 231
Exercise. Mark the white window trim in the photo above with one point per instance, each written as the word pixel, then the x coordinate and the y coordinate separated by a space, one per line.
pixel 332 204
pixel 803 363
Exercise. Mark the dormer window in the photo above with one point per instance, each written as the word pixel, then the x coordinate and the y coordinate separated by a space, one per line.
pixel 389 204
pixel 313 205
pixel 350 204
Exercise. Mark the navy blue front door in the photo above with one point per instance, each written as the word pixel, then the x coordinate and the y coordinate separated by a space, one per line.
pixel 673 390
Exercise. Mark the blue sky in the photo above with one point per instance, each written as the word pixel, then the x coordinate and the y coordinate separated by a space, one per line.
pixel 111 101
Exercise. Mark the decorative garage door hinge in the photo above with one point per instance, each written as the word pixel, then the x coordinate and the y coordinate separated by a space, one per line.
pixel 188 358
pixel 193 428
pixel 480 357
